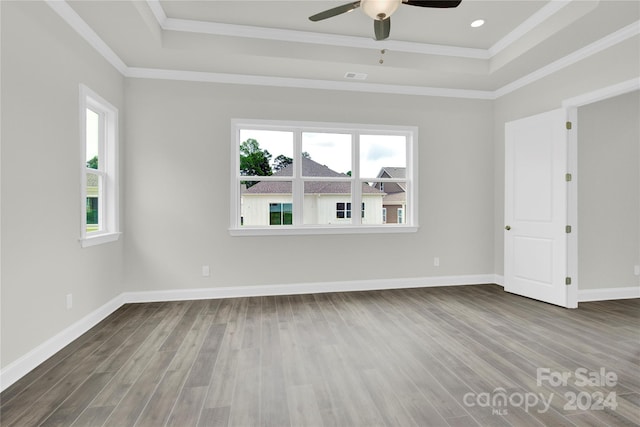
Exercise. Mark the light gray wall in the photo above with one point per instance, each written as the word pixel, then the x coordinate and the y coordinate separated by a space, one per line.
pixel 609 192
pixel 178 154
pixel 609 67
pixel 43 62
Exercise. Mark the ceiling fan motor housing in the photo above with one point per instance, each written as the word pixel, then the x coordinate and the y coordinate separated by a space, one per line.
pixel 379 9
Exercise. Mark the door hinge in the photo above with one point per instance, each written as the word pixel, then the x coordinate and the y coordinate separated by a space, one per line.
pixel 567 281
pixel 568 125
pixel 567 229
pixel 568 177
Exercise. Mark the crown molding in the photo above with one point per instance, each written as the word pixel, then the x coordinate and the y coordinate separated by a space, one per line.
pixel 521 30
pixel 74 20
pixel 234 30
pixel 263 33
pixel 628 86
pixel 604 43
pixel 244 79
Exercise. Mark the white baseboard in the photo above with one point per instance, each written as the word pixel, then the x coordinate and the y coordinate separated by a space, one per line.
pixel 306 288
pixel 19 368
pixel 604 294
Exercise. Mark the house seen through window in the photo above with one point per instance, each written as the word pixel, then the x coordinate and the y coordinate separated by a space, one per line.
pixel 311 176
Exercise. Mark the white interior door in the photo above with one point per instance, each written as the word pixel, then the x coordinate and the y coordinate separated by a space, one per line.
pixel 535 236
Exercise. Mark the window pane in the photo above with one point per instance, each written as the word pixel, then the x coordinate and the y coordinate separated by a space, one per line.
pixel 93 138
pixel 326 154
pixel 93 202
pixel 266 203
pixel 394 201
pixel 327 202
pixel 280 214
pixel 266 152
pixel 380 153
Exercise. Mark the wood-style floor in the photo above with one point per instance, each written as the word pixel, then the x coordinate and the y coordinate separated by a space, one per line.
pixel 455 356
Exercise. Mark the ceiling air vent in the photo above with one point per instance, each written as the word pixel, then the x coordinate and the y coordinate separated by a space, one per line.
pixel 355 76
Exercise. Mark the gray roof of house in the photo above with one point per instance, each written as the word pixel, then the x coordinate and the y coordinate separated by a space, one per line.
pixel 392 172
pixel 309 168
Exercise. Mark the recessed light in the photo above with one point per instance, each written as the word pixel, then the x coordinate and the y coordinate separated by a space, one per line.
pixel 477 23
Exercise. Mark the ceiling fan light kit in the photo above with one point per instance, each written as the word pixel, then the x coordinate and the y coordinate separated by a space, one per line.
pixel 381 10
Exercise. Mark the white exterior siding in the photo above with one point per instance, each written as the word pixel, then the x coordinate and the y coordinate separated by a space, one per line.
pixel 255 207
pixel 318 208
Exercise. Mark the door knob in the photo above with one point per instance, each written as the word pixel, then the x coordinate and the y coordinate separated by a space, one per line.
pixel 508 227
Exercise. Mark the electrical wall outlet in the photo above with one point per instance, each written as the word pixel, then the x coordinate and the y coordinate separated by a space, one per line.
pixel 436 261
pixel 636 270
pixel 206 271
pixel 69 301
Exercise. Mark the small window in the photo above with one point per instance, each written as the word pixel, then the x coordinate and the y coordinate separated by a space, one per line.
pixel 99 182
pixel 280 214
pixel 384 215
pixel 343 210
pixel 400 216
pixel 309 176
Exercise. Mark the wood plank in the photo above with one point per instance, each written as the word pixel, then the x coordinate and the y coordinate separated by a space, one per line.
pixel 245 408
pixel 93 416
pixel 214 417
pixel 203 366
pixel 77 401
pixel 135 397
pixel 187 407
pixel 303 407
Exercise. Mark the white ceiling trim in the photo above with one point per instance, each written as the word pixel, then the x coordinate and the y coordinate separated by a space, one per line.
pixel 245 79
pixel 158 11
pixel 529 24
pixel 78 24
pixel 234 30
pixel 264 33
pixel 605 93
pixel 74 20
pixel 606 42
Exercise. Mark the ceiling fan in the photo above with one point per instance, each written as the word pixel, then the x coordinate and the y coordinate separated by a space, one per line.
pixel 380 11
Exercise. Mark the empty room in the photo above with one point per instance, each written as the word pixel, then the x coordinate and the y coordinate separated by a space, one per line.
pixel 293 213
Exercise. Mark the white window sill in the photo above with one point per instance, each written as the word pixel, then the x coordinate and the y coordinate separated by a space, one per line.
pixel 99 239
pixel 287 230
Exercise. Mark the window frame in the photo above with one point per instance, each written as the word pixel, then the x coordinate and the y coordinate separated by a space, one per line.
pixel 107 172
pixel 298 227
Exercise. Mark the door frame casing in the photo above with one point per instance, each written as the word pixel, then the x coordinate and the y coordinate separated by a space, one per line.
pixel 571 106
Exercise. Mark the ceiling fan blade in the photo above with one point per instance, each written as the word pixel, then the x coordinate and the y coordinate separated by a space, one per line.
pixel 382 28
pixel 335 11
pixel 433 3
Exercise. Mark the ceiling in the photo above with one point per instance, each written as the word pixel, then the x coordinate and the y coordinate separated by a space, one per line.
pixel 274 41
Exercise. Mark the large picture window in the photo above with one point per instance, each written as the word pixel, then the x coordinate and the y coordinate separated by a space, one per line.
pixel 99 195
pixel 313 178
